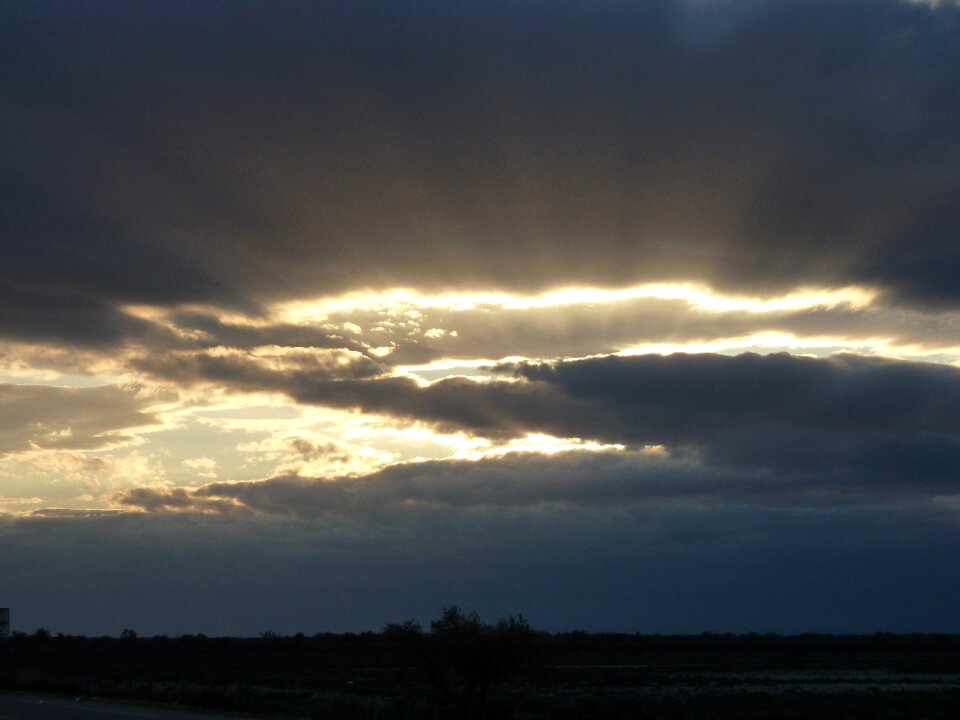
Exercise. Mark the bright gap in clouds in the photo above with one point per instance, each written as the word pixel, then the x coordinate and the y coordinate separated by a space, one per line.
pixel 229 427
pixel 852 301
pixel 697 296
pixel 411 305
pixel 539 443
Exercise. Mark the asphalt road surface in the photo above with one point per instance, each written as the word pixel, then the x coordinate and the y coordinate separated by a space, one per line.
pixel 41 707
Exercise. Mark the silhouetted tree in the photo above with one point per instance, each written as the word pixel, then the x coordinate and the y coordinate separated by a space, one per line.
pixel 463 656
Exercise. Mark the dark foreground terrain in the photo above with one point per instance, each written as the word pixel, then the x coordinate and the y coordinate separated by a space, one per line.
pixel 43 707
pixel 465 669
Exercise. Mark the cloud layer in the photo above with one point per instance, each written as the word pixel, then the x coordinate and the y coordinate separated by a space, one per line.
pixel 716 402
pixel 360 309
pixel 270 155
pixel 37 417
pixel 671 569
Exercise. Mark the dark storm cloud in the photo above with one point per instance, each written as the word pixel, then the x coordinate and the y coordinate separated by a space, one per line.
pixel 673 568
pixel 498 409
pixel 689 397
pixel 516 481
pixel 245 371
pixel 177 499
pixel 234 153
pixel 850 425
pixel 679 398
pixel 609 479
pixel 46 314
pixel 41 417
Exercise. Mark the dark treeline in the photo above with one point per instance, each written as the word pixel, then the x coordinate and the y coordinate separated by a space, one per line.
pixel 577 641
pixel 573 639
pixel 461 667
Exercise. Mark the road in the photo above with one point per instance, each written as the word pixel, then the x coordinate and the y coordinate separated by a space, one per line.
pixel 43 707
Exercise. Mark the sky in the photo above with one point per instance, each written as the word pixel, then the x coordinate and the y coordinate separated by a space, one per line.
pixel 624 315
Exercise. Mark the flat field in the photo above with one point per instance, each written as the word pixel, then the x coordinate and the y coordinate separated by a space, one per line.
pixel 557 677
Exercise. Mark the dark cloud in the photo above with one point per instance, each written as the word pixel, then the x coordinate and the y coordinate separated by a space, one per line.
pixel 517 481
pixel 690 397
pixel 673 568
pixel 44 314
pixel 854 420
pixel 176 499
pixel 497 409
pixel 227 155
pixel 42 417
pixel 555 482
pixel 928 331
pixel 247 371
pixel 232 153
pixel 675 398
pixel 72 513
pixel 217 332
